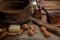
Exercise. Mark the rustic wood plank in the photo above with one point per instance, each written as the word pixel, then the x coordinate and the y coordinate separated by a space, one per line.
pixel 38 35
pixel 52 5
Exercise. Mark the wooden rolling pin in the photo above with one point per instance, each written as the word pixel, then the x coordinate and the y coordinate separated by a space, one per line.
pixel 46 25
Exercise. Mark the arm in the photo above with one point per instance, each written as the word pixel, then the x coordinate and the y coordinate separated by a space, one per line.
pixel 40 3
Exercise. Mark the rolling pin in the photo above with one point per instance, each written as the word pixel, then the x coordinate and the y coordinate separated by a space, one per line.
pixel 46 25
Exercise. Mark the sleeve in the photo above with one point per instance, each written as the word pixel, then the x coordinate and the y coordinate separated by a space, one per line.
pixel 40 3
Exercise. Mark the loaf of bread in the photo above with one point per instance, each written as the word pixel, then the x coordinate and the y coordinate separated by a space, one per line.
pixel 53 18
pixel 14 28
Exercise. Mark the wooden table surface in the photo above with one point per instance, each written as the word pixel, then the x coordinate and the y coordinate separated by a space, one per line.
pixel 38 35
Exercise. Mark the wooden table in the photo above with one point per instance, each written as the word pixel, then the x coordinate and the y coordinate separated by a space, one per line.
pixel 38 35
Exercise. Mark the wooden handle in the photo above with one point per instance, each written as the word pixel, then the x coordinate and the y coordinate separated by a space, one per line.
pixel 46 25
pixel 3 35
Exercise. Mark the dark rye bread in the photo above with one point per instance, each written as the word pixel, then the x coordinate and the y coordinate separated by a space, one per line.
pixel 53 17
